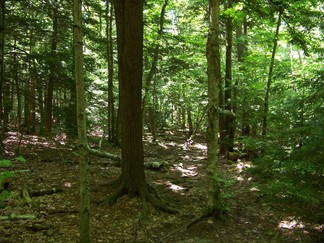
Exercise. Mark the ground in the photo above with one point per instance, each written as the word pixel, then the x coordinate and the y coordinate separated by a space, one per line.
pixel 182 182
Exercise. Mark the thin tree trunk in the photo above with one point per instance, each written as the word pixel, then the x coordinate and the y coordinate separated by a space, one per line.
pixel 214 76
pixel 32 94
pixel 81 122
pixel 2 75
pixel 149 77
pixel 266 97
pixel 228 144
pixel 52 77
pixel 110 59
pixel 241 35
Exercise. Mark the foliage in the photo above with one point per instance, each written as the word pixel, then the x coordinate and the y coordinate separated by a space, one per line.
pixel 6 194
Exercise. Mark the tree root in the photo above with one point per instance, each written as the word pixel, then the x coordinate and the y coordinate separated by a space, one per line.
pixel 148 195
pixel 209 213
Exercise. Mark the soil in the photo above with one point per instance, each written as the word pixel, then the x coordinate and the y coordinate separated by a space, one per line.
pixel 182 181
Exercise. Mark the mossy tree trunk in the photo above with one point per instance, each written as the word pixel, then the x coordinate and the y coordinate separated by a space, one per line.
pixel 81 123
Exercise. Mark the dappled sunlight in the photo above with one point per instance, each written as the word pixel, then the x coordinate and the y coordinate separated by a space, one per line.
pixel 291 223
pixel 200 146
pixel 189 172
pixel 240 166
pixel 174 187
pixel 163 145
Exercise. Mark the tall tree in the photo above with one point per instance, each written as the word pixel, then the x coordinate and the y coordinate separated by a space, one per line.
pixel 228 143
pixel 52 74
pixel 214 77
pixel 81 122
pixel 132 181
pixel 270 73
pixel 2 83
pixel 110 58
pixel 149 77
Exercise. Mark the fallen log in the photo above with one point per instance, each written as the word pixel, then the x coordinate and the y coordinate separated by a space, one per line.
pixel 104 154
pixel 45 192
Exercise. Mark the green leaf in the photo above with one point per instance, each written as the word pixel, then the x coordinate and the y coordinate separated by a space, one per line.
pixel 5 162
pixel 21 159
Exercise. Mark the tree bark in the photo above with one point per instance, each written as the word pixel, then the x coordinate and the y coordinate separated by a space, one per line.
pixel 110 58
pixel 81 122
pixel 52 77
pixel 214 77
pixel 129 20
pixel 2 44
pixel 228 143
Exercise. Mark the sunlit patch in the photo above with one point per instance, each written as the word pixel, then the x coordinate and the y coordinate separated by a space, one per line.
pixel 67 184
pixel 174 187
pixel 172 144
pixel 189 172
pixel 163 145
pixel 200 146
pixel 254 189
pixel 240 178
pixel 291 223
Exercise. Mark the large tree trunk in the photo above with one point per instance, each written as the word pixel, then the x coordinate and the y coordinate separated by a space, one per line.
pixel 214 77
pixel 81 121
pixel 266 97
pixel 129 20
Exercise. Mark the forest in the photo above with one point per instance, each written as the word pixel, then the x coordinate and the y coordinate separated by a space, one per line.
pixel 161 121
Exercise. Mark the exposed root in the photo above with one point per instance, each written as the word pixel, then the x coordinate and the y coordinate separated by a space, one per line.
pixel 198 219
pixel 148 195
pixel 209 213
pixel 112 199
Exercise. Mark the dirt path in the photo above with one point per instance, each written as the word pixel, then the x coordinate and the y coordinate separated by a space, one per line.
pixel 182 182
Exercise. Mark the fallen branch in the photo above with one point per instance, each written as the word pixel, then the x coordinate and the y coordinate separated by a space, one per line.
pixel 14 216
pixel 46 192
pixel 103 154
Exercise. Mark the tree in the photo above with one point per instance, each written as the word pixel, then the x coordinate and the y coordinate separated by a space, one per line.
pixel 132 181
pixel 81 121
pixel 266 97
pixel 152 71
pixel 214 77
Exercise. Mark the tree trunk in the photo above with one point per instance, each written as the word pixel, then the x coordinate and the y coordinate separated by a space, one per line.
pixel 149 76
pixel 266 97
pixel 110 59
pixel 2 44
pixel 241 35
pixel 52 77
pixel 214 76
pixel 4 81
pixel 129 20
pixel 228 144
pixel 32 93
pixel 81 122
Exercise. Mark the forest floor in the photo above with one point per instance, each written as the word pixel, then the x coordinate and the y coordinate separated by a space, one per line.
pixel 182 181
